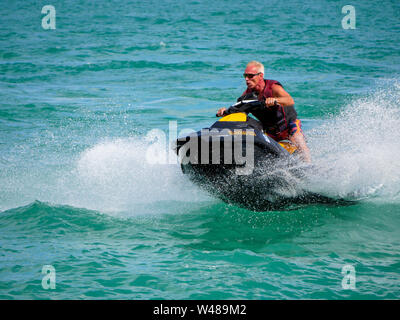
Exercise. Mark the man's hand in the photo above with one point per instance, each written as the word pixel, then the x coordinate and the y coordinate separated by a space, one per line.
pixel 220 112
pixel 269 102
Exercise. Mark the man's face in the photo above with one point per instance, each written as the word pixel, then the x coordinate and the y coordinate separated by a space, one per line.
pixel 252 82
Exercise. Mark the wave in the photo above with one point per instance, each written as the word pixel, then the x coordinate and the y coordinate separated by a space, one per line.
pixel 356 151
pixel 53 219
pixel 113 177
pixel 30 68
pixel 118 176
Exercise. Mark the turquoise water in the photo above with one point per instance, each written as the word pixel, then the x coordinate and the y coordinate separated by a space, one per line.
pixel 77 189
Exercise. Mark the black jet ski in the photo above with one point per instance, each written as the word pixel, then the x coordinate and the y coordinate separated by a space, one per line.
pixel 237 162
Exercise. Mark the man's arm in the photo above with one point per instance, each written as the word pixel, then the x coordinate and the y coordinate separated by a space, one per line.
pixel 281 96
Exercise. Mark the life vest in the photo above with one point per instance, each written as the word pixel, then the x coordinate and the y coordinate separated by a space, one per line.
pixel 274 119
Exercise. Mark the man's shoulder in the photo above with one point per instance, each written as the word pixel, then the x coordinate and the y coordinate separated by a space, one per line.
pixel 276 86
pixel 273 83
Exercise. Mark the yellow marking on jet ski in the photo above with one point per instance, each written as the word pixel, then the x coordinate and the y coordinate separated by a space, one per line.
pixel 242 117
pixel 242 132
pixel 290 147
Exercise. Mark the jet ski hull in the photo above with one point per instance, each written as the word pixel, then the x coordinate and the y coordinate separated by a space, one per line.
pixel 236 162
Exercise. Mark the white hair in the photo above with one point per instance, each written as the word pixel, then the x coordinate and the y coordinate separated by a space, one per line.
pixel 258 65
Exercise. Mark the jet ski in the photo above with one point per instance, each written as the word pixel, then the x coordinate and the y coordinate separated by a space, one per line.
pixel 237 162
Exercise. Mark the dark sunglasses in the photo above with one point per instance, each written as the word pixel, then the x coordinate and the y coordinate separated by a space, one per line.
pixel 250 75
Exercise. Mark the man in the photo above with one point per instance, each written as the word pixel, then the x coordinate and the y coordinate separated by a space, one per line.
pixel 279 119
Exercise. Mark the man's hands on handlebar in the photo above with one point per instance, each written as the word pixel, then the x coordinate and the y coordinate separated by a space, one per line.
pixel 220 112
pixel 270 102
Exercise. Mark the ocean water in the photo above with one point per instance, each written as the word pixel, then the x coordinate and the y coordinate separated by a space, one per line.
pixel 79 190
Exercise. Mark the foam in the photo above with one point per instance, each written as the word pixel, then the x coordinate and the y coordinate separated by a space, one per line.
pixel 117 176
pixel 357 151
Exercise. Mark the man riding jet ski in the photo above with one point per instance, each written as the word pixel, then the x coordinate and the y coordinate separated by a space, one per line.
pixel 279 118
pixel 235 161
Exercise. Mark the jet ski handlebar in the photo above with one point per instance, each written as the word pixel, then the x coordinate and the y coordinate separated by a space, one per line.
pixel 246 106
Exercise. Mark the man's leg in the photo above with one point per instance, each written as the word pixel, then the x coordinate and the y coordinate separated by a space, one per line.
pixel 297 138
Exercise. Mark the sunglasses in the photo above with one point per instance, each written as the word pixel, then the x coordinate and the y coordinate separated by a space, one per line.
pixel 250 75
